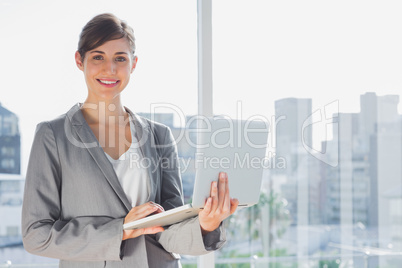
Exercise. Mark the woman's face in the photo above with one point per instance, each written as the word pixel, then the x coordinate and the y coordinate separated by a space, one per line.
pixel 107 69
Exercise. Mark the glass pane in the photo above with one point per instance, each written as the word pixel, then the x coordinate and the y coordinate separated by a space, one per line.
pixel 40 80
pixel 327 78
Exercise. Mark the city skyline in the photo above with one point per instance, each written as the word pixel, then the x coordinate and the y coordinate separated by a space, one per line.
pixel 174 115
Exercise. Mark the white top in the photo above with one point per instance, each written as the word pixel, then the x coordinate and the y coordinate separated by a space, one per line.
pixel 132 174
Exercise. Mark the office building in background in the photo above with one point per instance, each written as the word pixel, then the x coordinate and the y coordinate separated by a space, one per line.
pixel 10 142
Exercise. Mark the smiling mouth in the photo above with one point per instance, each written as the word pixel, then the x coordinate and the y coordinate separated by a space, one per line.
pixel 107 82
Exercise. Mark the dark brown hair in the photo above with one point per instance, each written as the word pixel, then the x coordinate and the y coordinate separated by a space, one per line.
pixel 101 29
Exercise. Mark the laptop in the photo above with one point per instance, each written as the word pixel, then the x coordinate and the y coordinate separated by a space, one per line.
pixel 237 147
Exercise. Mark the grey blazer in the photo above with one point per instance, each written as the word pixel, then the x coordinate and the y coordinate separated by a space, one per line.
pixel 74 206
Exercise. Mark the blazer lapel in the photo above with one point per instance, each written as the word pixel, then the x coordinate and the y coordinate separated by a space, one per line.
pixel 91 143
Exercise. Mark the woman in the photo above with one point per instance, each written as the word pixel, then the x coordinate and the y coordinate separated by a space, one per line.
pixel 80 187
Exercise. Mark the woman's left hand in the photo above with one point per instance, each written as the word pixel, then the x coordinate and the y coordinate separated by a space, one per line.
pixel 218 206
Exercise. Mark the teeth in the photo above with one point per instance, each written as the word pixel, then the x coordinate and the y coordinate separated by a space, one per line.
pixel 108 82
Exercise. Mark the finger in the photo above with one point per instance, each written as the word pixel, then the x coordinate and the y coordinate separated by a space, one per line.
pixel 157 211
pixel 226 203
pixel 145 209
pixel 138 232
pixel 212 188
pixel 214 196
pixel 207 206
pixel 140 212
pixel 233 205
pixel 221 189
pixel 160 208
pixel 153 230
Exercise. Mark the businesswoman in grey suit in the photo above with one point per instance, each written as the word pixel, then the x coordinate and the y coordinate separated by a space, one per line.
pixel 81 184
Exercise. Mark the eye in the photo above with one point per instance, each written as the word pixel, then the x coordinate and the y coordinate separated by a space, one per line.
pixel 121 59
pixel 98 57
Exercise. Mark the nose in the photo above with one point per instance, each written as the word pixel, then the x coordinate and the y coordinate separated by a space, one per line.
pixel 109 67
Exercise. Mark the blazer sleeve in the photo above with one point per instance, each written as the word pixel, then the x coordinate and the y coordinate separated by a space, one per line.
pixel 184 237
pixel 44 233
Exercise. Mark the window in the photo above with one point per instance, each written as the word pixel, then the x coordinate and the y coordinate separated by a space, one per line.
pixel 7 163
pixel 311 68
pixel 164 81
pixel 326 76
pixel 7 151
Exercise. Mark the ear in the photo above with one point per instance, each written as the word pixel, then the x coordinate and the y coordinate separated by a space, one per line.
pixel 78 61
pixel 134 64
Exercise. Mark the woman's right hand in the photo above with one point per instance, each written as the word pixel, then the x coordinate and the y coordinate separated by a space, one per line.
pixel 140 212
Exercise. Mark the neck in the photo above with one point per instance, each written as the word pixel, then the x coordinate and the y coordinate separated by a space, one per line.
pixel 102 111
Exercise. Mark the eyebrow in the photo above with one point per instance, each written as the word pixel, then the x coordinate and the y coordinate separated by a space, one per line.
pixel 101 52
